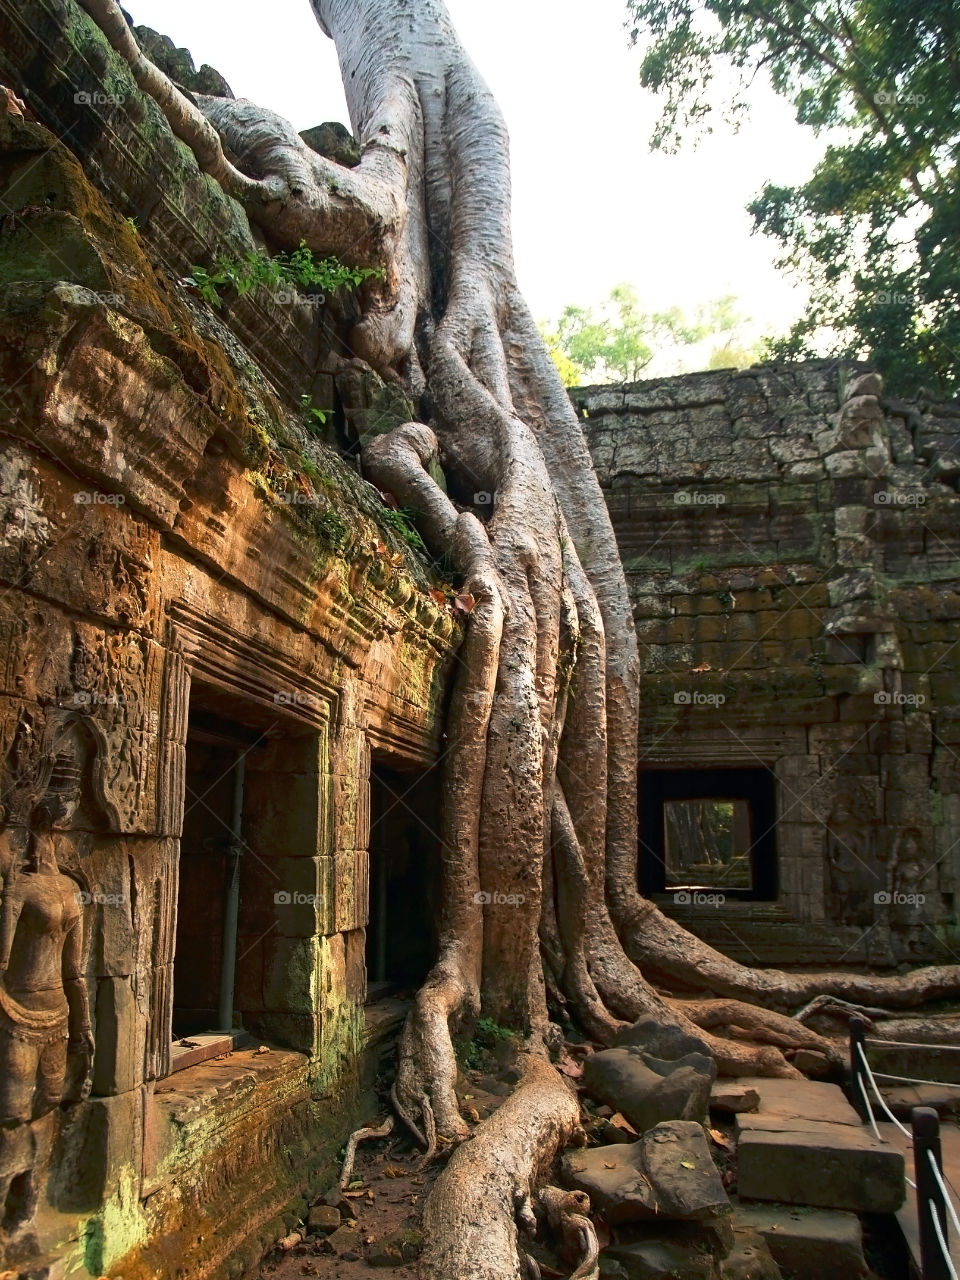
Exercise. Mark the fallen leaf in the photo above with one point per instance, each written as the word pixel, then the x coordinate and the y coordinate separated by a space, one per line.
pixel 394 1171
pixel 465 601
pixel 609 1164
pixel 704 666
pixel 719 1139
pixel 568 1067
pixel 439 597
pixel 623 1123
pixel 688 1164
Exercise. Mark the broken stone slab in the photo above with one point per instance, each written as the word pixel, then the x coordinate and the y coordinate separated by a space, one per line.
pixel 345 1239
pixel 868 384
pixel 646 1089
pixel 840 1168
pixel 750 1258
pixel 662 1040
pixel 733 1096
pixel 802 1100
pixel 396 1249
pixel 713 1237
pixel 667 1174
pixel 826 1243
pixel 657 1260
pixel 323 1217
pixel 812 1063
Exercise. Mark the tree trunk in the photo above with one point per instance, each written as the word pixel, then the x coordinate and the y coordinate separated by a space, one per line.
pixel 540 902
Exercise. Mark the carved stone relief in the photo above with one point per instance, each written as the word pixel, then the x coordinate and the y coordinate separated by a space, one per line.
pixel 46 1041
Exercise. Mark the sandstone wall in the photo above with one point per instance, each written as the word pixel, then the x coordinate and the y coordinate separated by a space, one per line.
pixel 791 536
pixel 177 539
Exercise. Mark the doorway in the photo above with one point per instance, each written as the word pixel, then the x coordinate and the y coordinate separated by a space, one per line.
pixel 405 869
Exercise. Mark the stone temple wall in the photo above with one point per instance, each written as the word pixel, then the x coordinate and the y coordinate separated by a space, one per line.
pixel 189 576
pixel 791 536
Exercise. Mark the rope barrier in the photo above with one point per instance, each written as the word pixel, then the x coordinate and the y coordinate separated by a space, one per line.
pixel 870 1076
pixel 946 1191
pixel 909 1044
pixel 935 1258
pixel 938 1231
pixel 940 1084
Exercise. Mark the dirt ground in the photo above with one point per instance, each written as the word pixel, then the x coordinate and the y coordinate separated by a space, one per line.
pixel 380 1209
pixel 389 1201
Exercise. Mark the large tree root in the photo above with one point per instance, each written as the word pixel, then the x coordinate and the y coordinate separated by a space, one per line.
pixel 470 1216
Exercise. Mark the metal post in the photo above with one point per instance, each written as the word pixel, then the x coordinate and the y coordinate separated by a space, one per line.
pixel 381 882
pixel 926 1138
pixel 859 1081
pixel 231 905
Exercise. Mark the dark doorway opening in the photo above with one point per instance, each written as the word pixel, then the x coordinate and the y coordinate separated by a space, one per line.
pixel 404 877
pixel 709 829
pixel 209 908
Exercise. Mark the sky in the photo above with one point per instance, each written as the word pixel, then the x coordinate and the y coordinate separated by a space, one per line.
pixel 592 205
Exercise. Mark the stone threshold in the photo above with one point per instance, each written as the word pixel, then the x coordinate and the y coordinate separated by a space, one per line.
pixel 189 1051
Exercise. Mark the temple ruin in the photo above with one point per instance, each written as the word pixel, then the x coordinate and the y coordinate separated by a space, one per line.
pixel 225 666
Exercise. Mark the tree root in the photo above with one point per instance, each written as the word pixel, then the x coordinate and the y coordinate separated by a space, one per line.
pixel 185 119
pixel 468 1219
pixel 358 1136
pixel 833 1007
pixel 567 1214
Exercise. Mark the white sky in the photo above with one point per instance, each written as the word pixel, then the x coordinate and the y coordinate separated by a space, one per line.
pixel 592 205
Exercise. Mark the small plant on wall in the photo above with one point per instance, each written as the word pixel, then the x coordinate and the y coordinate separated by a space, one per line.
pixel 260 270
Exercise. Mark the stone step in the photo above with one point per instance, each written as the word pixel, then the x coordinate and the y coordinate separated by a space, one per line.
pixel 801 1100
pixel 830 1166
pixel 901 1099
pixel 825 1243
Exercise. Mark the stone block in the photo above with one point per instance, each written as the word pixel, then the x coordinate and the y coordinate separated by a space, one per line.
pixel 294 896
pixel 289 813
pixel 291 968
pixel 749 1259
pixel 847 462
pixel 798 1099
pixel 99 1152
pixel 830 1166
pixel 851 521
pixel 859 422
pixel 657 1259
pixel 668 1174
pixel 352 891
pixel 826 1243
pixel 647 1089
pixel 118 1061
pixel 733 1096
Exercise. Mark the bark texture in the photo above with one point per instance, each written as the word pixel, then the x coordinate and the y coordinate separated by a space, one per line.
pixel 541 911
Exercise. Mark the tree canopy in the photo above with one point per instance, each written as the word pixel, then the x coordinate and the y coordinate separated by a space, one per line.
pixel 617 340
pixel 872 231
